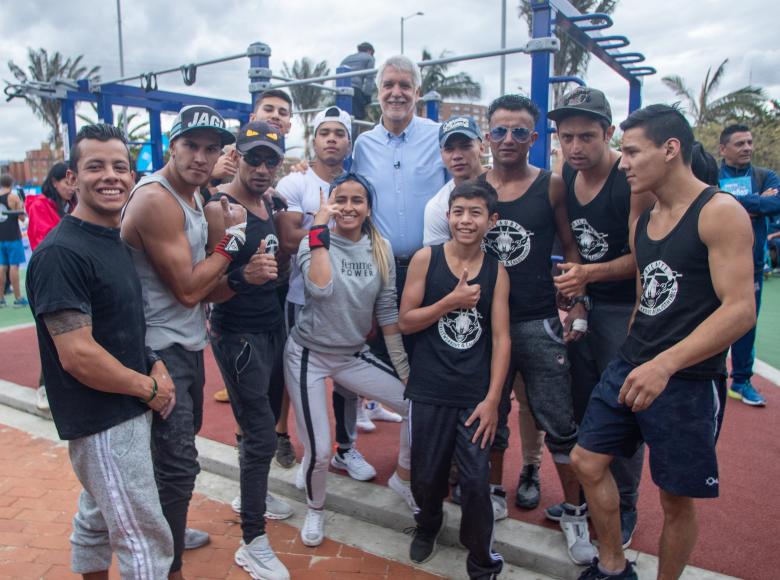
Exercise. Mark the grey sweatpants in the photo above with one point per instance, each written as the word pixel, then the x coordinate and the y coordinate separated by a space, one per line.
pixel 119 509
pixel 362 373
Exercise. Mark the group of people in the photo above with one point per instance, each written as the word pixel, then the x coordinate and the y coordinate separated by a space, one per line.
pixel 418 279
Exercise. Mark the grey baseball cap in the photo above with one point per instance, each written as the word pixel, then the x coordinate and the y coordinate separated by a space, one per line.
pixel 583 101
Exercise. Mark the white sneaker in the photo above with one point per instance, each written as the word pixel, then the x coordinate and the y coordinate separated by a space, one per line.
pixel 275 509
pixel 41 400
pixel 313 530
pixel 575 530
pixel 404 489
pixel 300 481
pixel 498 499
pixel 259 560
pixel 377 412
pixel 364 423
pixel 355 464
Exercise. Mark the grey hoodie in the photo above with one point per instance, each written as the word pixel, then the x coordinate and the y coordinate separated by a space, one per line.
pixel 337 318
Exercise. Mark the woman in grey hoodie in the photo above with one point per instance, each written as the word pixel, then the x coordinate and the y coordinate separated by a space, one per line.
pixel 349 278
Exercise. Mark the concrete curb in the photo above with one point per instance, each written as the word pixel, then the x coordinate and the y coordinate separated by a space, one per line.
pixel 521 544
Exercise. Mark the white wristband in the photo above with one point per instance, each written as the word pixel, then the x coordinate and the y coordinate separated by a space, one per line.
pixel 579 325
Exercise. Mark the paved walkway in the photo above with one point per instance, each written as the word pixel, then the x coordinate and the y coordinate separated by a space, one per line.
pixel 38 493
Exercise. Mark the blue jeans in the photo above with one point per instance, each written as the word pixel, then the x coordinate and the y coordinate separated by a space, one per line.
pixel 743 352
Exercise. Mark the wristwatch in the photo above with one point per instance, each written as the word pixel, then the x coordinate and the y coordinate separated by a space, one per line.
pixel 584 300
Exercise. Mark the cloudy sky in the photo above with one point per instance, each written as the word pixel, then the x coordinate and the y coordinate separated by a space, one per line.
pixel 682 38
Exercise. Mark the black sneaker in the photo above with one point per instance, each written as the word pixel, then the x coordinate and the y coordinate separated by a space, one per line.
pixel 627 526
pixel 528 488
pixel 592 572
pixel 285 453
pixel 423 546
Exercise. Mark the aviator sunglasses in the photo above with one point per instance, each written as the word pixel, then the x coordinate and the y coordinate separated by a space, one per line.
pixel 519 134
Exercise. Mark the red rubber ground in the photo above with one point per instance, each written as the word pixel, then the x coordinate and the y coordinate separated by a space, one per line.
pixel 738 532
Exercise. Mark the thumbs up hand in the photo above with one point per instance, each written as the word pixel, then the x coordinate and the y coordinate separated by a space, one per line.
pixel 464 295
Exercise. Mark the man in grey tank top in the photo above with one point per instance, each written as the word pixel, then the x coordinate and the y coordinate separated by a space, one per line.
pixel 164 225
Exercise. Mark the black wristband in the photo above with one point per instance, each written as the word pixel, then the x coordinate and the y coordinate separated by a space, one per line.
pixel 215 182
pixel 236 281
pixel 151 357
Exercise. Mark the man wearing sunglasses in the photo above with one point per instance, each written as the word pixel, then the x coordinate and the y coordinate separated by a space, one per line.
pixel 247 336
pixel 601 208
pixel 532 211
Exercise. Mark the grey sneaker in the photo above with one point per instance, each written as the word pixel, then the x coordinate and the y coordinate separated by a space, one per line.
pixel 194 539
pixel 498 499
pixel 574 524
pixel 259 560
pixel 41 399
pixel 275 509
pixel 528 488
pixel 285 453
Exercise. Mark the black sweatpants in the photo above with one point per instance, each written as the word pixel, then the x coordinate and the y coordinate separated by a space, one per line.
pixel 438 434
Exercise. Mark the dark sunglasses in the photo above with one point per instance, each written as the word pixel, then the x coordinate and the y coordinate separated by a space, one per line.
pixel 254 160
pixel 519 134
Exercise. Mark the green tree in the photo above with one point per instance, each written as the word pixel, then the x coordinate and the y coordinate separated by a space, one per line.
pixel 747 101
pixel 133 126
pixel 453 86
pixel 572 59
pixel 43 67
pixel 307 97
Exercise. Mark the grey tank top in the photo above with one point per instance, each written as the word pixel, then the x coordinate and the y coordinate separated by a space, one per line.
pixel 168 321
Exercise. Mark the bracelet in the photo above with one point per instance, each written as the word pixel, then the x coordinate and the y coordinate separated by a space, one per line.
pixel 319 237
pixel 154 391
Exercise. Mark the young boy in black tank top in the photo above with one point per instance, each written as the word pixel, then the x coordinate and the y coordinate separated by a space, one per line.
pixel 667 386
pixel 461 320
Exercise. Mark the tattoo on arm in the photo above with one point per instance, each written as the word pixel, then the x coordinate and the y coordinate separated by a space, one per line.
pixel 64 321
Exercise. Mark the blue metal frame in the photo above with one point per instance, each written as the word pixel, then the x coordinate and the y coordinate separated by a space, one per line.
pixel 583 29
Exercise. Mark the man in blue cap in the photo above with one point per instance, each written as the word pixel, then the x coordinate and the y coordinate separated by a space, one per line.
pixel 164 226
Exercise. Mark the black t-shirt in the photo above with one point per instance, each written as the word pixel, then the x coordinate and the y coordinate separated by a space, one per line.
pixel 451 363
pixel 601 230
pixel 9 224
pixel 256 309
pixel 85 267
pixel 677 292
pixel 522 240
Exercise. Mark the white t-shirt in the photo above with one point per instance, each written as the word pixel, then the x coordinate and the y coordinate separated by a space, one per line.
pixel 436 226
pixel 302 192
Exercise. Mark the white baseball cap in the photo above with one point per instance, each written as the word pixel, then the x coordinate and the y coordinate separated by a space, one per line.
pixel 334 114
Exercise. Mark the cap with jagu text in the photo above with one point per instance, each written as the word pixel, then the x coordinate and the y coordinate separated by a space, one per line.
pixel 334 114
pixel 583 101
pixel 458 126
pixel 260 134
pixel 194 117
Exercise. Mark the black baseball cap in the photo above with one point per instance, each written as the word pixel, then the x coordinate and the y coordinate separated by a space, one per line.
pixel 260 134
pixel 194 117
pixel 583 101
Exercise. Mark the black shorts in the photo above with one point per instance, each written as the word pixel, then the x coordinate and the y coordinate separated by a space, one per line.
pixel 680 428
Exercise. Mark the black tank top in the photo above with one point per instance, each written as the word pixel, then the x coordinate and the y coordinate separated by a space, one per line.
pixel 258 310
pixel 677 292
pixel 451 364
pixel 9 224
pixel 522 240
pixel 601 230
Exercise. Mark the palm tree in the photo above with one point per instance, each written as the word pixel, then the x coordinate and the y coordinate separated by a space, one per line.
pixel 306 97
pixel 435 78
pixel 746 101
pixel 571 59
pixel 44 68
pixel 133 126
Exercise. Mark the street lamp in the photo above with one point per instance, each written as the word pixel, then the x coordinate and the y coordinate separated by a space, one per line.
pixel 402 27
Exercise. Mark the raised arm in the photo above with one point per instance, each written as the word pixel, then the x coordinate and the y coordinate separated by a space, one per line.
pixel 154 224
pixel 725 229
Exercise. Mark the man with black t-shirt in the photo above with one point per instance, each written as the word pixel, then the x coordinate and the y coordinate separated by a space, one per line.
pixel 600 207
pixel 667 386
pixel 164 226
pixel 456 302
pixel 101 383
pixel 247 336
pixel 532 211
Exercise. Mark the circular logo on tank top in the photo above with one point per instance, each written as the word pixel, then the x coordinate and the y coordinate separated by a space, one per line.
pixel 460 328
pixel 508 241
pixel 3 217
pixel 659 288
pixel 592 244
pixel 271 244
